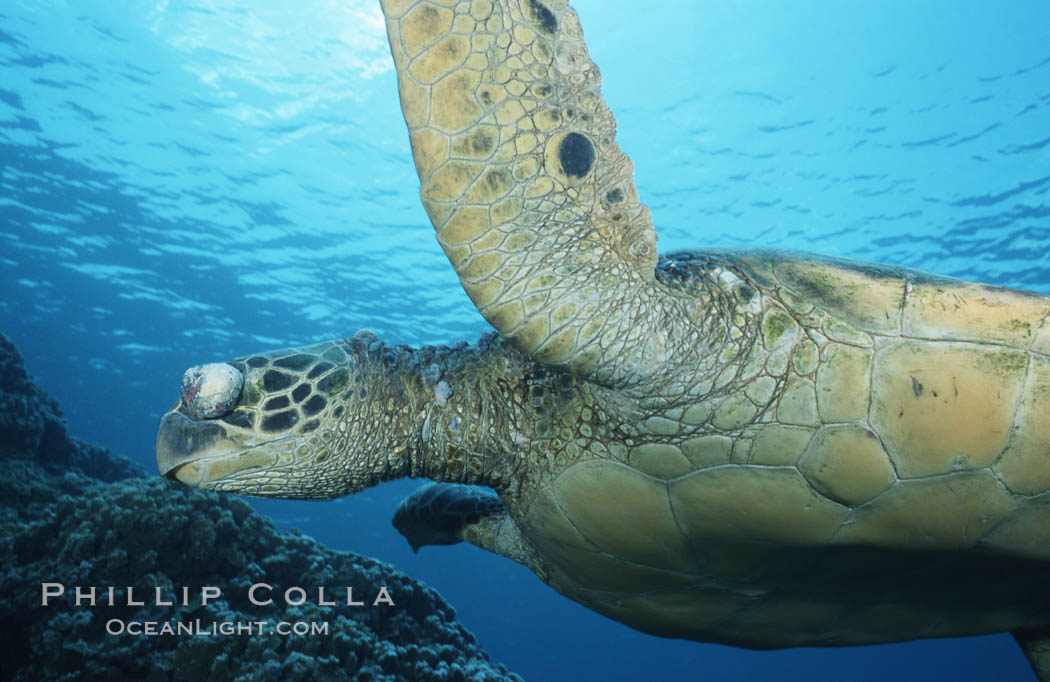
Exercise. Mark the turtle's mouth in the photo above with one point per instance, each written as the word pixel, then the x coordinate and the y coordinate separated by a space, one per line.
pixel 202 453
pixel 188 473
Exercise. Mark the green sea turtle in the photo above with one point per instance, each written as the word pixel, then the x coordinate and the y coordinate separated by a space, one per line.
pixel 755 447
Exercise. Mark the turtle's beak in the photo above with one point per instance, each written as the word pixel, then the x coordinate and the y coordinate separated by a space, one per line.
pixel 182 442
pixel 202 453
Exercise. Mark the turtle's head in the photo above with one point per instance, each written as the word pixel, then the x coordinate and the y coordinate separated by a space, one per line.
pixel 282 424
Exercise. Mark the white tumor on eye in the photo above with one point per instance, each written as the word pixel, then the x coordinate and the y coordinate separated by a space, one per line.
pixel 210 391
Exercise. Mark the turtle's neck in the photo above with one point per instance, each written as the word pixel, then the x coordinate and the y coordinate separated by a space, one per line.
pixel 453 414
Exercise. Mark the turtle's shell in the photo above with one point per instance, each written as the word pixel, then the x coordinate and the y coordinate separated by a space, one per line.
pixel 882 448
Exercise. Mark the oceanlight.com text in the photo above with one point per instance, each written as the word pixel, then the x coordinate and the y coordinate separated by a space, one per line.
pixel 252 628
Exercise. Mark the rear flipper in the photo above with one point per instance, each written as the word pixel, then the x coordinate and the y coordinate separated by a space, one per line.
pixel 447 513
pixel 1035 644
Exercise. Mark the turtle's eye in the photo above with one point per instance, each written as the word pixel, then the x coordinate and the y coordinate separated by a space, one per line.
pixel 211 391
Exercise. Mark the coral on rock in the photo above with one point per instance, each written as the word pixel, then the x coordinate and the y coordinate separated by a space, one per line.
pixel 72 514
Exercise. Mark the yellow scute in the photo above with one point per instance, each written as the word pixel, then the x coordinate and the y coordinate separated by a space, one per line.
pixel 941 406
pixel 750 503
pixel 847 463
pixel 973 312
pixel 423 26
pixel 624 513
pixel 867 296
pixel 1025 463
pixel 942 512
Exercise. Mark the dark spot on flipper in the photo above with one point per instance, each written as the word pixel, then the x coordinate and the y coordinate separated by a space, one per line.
pixel 309 426
pixel 576 154
pixel 429 20
pixel 543 18
pixel 916 387
pixel 277 381
pixel 482 142
pixel 499 178
pixel 614 196
pixel 282 421
pixel 257 361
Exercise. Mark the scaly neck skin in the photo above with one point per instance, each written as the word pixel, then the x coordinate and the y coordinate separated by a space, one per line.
pixel 447 414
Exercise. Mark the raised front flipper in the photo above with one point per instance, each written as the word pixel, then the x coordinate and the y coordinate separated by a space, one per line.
pixel 533 201
pixel 448 513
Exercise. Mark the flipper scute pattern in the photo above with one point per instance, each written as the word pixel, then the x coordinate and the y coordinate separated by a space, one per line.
pixel 532 200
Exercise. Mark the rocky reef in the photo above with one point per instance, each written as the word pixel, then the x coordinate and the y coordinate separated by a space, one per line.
pixel 75 515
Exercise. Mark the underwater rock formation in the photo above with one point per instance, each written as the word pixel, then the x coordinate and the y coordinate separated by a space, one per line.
pixel 72 515
pixel 32 428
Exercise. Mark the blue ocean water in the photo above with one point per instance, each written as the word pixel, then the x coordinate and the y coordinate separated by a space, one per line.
pixel 182 182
